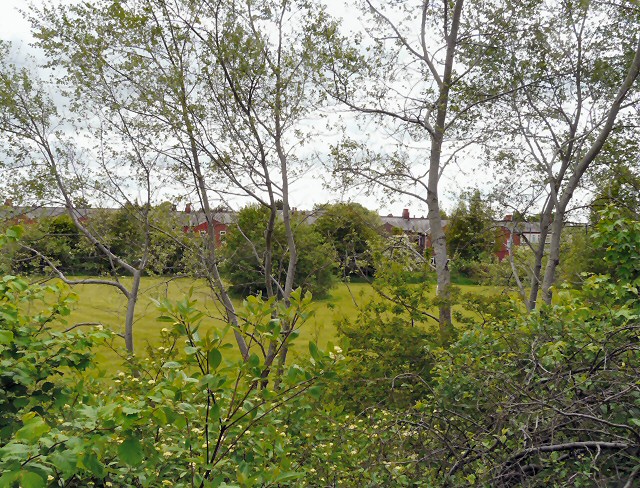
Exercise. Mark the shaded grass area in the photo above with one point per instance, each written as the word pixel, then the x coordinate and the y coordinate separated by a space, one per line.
pixel 106 305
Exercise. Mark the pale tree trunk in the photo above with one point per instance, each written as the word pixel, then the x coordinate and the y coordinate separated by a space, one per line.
pixel 536 277
pixel 554 257
pixel 514 270
pixel 286 217
pixel 212 266
pixel 132 298
pixel 439 241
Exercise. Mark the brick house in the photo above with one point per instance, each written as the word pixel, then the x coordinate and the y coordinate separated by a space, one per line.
pixel 197 222
pixel 31 215
pixel 418 229
pixel 523 232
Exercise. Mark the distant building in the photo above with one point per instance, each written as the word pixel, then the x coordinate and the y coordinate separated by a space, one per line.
pixel 418 229
pixel 197 222
pixel 523 233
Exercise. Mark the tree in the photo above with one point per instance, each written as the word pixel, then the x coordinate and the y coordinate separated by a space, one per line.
pixel 244 255
pixel 38 149
pixel 222 86
pixel 187 415
pixel 573 83
pixel 351 230
pixel 471 232
pixel 419 78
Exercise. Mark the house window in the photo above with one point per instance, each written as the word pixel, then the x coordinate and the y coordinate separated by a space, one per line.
pixel 203 233
pixel 223 234
pixel 534 238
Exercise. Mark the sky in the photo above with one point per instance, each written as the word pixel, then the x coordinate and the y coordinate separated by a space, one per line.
pixel 308 189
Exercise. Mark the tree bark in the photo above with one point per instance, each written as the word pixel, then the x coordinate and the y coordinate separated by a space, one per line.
pixel 438 239
pixel 132 298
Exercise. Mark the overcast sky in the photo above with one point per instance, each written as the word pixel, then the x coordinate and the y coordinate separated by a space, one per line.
pixel 306 191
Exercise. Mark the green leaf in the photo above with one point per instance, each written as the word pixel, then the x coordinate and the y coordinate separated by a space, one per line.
pixel 6 337
pixel 29 479
pixel 130 451
pixel 313 349
pixel 33 429
pixel 215 358
pixel 65 461
pixel 91 462
pixel 315 392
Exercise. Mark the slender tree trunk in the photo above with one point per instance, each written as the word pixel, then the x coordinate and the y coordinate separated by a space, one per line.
pixel 581 167
pixel 132 298
pixel 536 278
pixel 554 256
pixel 212 266
pixel 514 270
pixel 293 255
pixel 439 241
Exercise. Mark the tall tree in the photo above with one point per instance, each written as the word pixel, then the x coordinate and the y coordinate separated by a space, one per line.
pixel 417 75
pixel 223 85
pixel 351 230
pixel 471 229
pixel 41 140
pixel 574 79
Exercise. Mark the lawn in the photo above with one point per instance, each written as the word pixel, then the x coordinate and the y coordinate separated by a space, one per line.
pixel 106 305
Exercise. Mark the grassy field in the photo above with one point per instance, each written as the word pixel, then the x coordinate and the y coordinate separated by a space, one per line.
pixel 107 305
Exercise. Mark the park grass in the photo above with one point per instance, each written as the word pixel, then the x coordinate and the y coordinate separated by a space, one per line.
pixel 106 305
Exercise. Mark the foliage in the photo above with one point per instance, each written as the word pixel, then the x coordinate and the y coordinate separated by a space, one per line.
pixel 619 238
pixel 387 342
pixel 351 230
pixel 616 178
pixel 244 254
pixel 544 399
pixel 471 234
pixel 186 416
pixel 123 230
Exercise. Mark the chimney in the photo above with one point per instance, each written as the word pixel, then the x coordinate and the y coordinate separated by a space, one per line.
pixel 508 218
pixel 187 209
pixel 405 214
pixel 8 202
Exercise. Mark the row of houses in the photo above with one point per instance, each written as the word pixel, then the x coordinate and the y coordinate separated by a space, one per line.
pixel 417 229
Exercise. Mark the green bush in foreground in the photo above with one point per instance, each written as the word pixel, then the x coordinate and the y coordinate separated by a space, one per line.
pixel 186 417
pixel 549 398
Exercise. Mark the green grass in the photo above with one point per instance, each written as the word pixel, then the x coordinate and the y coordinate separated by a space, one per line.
pixel 106 305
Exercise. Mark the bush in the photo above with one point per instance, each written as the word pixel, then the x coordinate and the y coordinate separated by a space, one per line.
pixel 185 417
pixel 244 253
